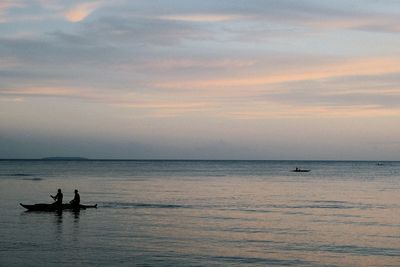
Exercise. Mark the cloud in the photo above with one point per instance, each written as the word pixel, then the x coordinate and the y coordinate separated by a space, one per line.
pixel 202 17
pixel 351 111
pixel 59 92
pixel 133 47
pixel 199 63
pixel 369 23
pixel 56 50
pixel 139 31
pixel 6 5
pixel 361 15
pixel 358 67
pixel 81 11
pixel 164 108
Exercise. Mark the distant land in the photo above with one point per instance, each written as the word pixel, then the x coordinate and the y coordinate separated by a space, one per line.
pixel 64 158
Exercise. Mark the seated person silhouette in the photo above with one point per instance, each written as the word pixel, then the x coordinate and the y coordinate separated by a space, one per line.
pixel 77 200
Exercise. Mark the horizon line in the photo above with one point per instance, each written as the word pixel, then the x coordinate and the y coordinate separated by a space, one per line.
pixel 178 159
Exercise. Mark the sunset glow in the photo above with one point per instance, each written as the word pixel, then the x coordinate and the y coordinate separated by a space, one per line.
pixel 226 73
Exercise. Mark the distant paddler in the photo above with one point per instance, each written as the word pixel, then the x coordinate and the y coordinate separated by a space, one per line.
pixel 300 170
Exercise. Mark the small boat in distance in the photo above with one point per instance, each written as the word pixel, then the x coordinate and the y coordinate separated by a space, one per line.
pixel 51 207
pixel 300 170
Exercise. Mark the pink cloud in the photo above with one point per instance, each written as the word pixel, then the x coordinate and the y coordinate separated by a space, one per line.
pixel 81 11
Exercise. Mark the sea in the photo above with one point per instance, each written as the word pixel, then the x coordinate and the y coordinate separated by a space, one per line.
pixel 202 213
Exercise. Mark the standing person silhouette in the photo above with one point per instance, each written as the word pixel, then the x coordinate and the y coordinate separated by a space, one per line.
pixel 58 198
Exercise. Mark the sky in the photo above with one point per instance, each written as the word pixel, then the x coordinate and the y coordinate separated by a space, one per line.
pixel 190 79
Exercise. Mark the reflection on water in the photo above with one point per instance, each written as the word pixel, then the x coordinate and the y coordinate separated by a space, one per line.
pixel 58 227
pixel 59 217
pixel 249 214
pixel 75 227
pixel 76 214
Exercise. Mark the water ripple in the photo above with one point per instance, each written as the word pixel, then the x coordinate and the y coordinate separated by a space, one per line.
pixel 16 174
pixel 263 261
pixel 33 179
pixel 125 205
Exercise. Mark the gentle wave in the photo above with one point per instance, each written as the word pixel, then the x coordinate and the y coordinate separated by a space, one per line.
pixel 342 249
pixel 260 214
pixel 263 261
pixel 325 205
pixel 282 207
pixel 21 176
pixel 33 179
pixel 125 205
pixel 17 174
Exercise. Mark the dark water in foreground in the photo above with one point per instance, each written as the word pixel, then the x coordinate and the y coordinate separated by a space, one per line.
pixel 202 213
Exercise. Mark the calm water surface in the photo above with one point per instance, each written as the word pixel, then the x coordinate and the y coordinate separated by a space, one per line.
pixel 202 213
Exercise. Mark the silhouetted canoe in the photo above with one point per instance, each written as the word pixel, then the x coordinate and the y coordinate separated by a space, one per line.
pixel 300 170
pixel 51 207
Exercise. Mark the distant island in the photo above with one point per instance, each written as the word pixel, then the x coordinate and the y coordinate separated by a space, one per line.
pixel 64 158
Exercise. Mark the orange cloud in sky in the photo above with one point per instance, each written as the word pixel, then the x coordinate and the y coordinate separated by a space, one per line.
pixel 48 91
pixel 376 66
pixel 168 105
pixel 286 111
pixel 377 91
pixel 391 23
pixel 238 97
pixel 81 11
pixel 160 105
